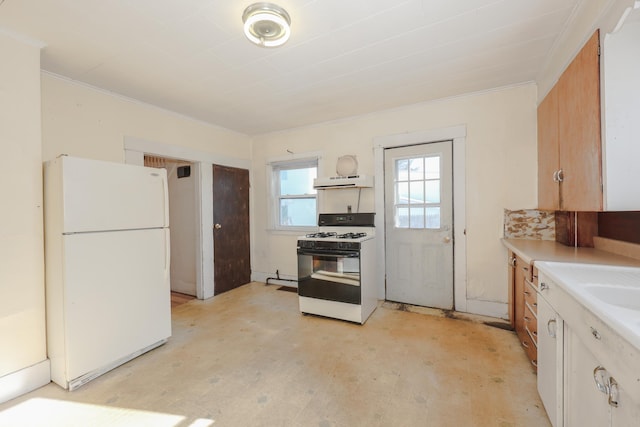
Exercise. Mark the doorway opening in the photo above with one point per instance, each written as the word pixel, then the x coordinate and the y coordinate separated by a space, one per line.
pixel 182 224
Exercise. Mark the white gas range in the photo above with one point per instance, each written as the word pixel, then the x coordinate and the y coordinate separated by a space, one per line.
pixel 336 268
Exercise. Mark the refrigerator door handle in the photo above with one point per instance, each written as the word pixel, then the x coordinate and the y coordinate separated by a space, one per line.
pixel 167 252
pixel 165 201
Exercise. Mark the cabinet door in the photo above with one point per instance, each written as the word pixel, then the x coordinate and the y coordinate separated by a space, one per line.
pixel 548 152
pixel 550 331
pixel 585 405
pixel 579 131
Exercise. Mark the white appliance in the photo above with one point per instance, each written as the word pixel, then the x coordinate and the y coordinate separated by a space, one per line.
pixel 107 265
pixel 336 268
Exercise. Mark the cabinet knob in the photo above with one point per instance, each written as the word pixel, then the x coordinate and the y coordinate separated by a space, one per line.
pixel 560 175
pixel 543 286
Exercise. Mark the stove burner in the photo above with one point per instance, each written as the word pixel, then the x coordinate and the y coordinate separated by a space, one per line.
pixel 322 235
pixel 351 235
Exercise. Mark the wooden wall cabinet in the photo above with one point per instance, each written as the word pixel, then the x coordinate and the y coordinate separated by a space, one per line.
pixel 569 137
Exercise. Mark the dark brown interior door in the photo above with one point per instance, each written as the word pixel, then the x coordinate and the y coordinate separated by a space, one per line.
pixel 232 258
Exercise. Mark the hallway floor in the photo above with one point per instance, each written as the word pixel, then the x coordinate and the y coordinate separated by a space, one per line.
pixel 249 358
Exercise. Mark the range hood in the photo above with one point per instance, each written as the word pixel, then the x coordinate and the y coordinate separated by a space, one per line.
pixel 353 181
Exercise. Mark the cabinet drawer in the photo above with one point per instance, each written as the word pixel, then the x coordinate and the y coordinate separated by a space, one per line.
pixel 531 298
pixel 531 324
pixel 530 349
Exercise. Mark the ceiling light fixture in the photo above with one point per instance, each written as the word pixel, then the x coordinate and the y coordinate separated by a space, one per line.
pixel 266 24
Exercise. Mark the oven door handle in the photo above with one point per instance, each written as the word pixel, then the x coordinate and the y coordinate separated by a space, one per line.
pixel 332 252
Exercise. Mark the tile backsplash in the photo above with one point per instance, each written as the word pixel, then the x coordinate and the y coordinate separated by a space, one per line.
pixel 529 224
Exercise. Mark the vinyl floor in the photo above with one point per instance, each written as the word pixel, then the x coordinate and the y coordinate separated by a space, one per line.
pixel 249 358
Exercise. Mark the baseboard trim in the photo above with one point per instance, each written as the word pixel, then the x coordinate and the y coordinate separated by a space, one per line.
pixel 25 380
pixel 488 308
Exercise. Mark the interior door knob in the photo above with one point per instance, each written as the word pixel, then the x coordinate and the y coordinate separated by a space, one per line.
pixel 447 239
pixel 217 226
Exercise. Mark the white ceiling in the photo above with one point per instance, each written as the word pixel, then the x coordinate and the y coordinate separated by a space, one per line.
pixel 344 58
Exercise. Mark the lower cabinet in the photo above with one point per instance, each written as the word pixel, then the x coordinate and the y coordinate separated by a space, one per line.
pixel 550 364
pixel 575 386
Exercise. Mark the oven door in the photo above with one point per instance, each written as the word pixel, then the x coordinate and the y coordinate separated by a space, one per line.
pixel 329 274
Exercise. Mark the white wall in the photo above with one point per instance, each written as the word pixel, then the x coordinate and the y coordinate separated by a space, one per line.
pixel 22 311
pixel 84 122
pixel 501 173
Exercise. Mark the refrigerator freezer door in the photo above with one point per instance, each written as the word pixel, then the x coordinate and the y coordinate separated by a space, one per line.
pixel 101 196
pixel 117 297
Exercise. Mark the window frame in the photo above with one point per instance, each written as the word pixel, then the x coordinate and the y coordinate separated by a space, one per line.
pixel 424 205
pixel 273 171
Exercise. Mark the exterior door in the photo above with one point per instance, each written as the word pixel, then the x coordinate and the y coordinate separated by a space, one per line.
pixel 231 251
pixel 419 224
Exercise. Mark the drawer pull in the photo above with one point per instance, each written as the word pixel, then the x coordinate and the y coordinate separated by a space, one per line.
pixel 534 363
pixel 543 286
pixel 613 392
pixel 527 319
pixel 524 344
pixel 527 293
pixel 595 333
pixel 600 376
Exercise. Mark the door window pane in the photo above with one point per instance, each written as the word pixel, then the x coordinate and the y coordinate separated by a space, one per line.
pixel 417 217
pixel 402 193
pixel 416 168
pixel 433 217
pixel 416 191
pixel 433 191
pixel 402 217
pixel 402 170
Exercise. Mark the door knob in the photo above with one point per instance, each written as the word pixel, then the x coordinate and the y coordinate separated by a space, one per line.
pixel 217 226
pixel 447 239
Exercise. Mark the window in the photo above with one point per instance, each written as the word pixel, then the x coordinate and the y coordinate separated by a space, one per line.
pixel 296 201
pixel 417 192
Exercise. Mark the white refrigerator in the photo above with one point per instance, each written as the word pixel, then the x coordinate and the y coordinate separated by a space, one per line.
pixel 107 265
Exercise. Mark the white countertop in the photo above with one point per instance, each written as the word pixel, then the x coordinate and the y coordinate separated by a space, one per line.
pixel 612 293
